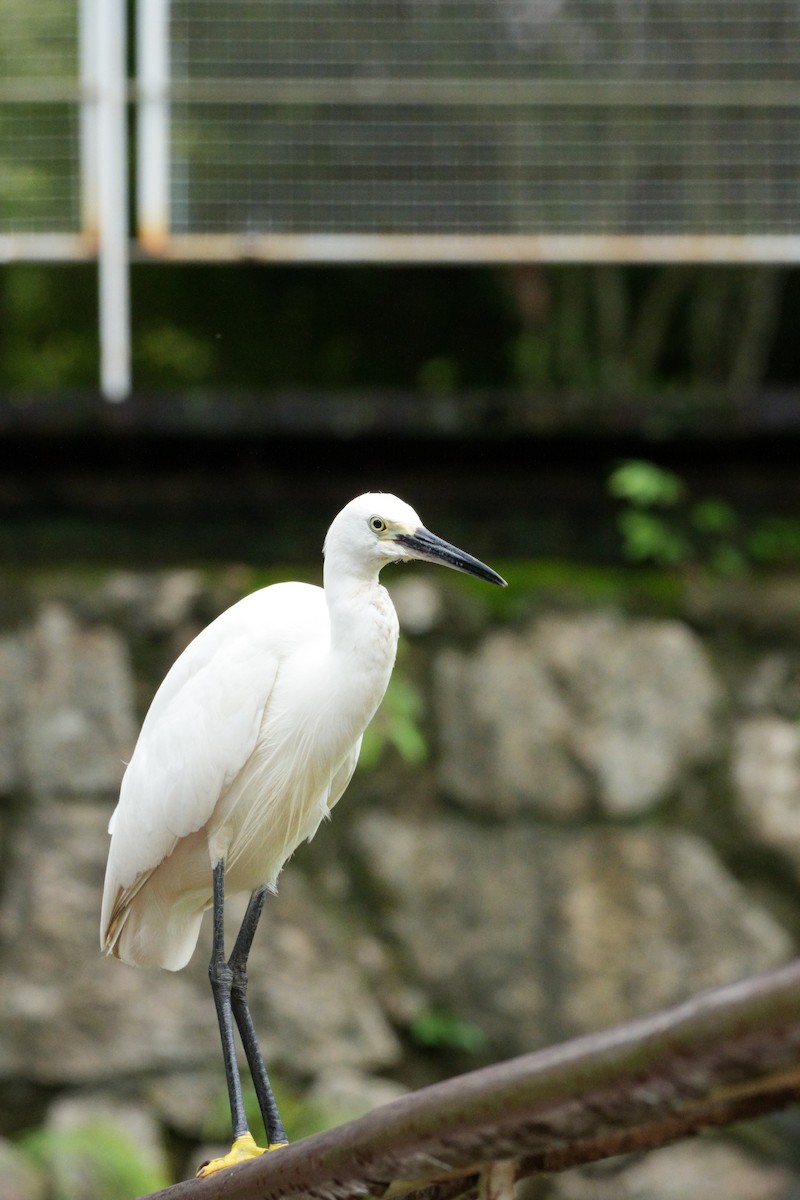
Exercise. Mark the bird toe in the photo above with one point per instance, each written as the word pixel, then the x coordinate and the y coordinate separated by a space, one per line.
pixel 242 1149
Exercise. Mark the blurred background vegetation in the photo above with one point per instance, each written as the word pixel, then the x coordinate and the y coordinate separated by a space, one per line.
pixel 596 330
pixel 501 400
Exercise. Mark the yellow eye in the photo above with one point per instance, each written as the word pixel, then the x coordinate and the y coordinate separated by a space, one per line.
pixel 377 524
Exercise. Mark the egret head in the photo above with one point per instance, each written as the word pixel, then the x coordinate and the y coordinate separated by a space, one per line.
pixel 378 528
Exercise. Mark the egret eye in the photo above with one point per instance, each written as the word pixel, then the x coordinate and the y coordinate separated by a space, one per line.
pixel 377 524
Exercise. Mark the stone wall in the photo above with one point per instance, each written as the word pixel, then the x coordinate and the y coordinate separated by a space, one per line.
pixel 608 822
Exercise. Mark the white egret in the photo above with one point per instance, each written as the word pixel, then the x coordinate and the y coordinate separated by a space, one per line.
pixel 249 742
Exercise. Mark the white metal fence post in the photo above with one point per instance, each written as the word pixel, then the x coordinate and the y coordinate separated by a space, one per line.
pixel 87 40
pixel 152 157
pixel 112 198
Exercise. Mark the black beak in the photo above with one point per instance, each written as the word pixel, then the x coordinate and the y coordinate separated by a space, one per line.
pixel 427 546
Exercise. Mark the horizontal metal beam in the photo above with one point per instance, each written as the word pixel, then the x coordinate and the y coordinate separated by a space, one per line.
pixel 47 247
pixel 481 91
pixel 481 248
pixel 40 90
pixel 420 248
pixel 470 91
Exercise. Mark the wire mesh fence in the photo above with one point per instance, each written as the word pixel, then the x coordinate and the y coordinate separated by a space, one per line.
pixel 466 117
pixel 397 130
pixel 39 118
pixel 485 116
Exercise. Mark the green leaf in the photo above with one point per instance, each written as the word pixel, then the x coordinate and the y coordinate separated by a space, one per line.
pixel 714 516
pixel 727 559
pixel 776 540
pixel 438 1029
pixel 397 723
pixel 645 485
pixel 650 538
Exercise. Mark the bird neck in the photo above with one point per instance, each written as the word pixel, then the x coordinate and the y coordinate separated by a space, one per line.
pixel 362 616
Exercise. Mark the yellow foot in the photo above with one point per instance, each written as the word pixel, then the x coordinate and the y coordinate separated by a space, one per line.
pixel 242 1149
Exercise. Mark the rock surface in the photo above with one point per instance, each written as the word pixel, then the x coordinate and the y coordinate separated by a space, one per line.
pixel 72 1015
pixel 711 1169
pixel 538 935
pixel 537 896
pixel 66 702
pixel 575 712
pixel 766 776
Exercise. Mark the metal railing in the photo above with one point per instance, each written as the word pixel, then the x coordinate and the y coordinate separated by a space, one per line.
pixel 469 132
pixel 95 195
pixel 722 1057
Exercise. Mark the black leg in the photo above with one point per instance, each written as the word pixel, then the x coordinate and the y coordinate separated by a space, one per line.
pixel 221 976
pixel 276 1134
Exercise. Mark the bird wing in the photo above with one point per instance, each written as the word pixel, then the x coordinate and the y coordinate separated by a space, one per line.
pixel 343 776
pixel 201 728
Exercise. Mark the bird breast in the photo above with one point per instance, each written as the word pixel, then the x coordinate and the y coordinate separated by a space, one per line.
pixel 324 695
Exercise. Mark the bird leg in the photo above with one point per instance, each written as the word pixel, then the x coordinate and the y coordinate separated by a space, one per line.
pixel 221 975
pixel 276 1134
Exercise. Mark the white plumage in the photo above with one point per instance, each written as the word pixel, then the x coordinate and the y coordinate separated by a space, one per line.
pixel 250 741
pixel 251 738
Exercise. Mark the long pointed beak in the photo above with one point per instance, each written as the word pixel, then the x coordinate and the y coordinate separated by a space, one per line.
pixel 427 546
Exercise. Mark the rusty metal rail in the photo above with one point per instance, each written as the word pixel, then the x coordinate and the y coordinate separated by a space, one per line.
pixel 725 1055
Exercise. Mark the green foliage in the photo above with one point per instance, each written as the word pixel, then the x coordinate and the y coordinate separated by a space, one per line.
pixel 776 540
pixel 530 356
pixel 644 484
pixel 625 331
pixel 660 524
pixel 95 1161
pixel 714 517
pixel 446 329
pixel 48 339
pixel 168 356
pixel 397 723
pixel 647 535
pixel 651 538
pixel 437 1029
pixel 532 583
